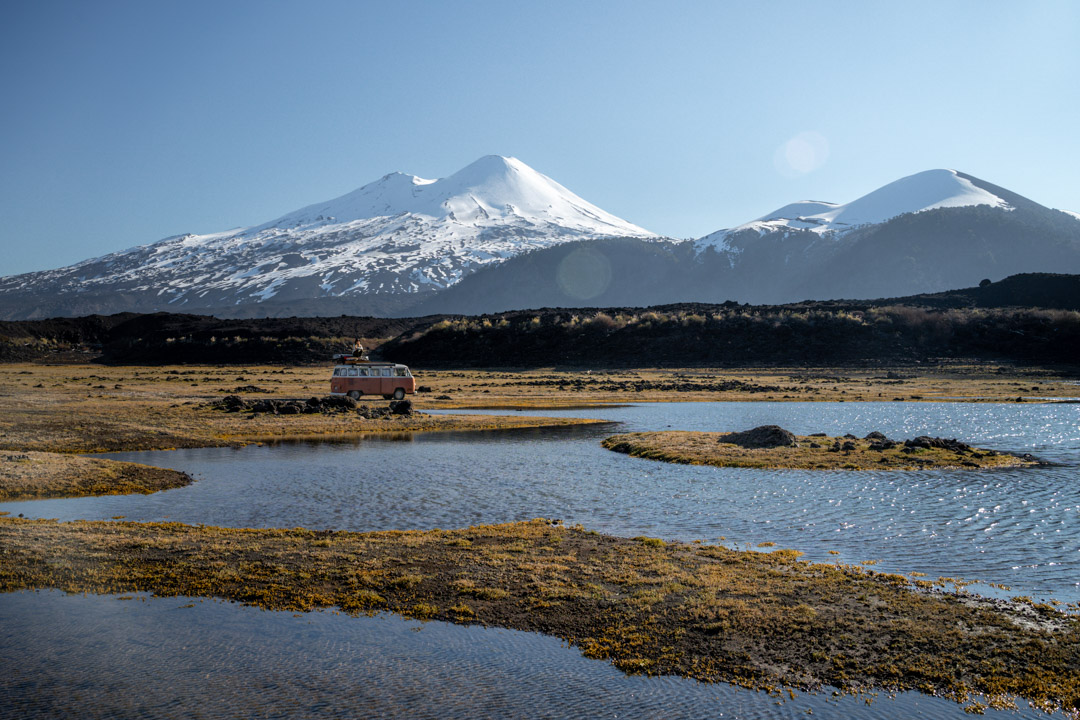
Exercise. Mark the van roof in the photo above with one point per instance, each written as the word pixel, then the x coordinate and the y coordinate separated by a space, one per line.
pixel 371 364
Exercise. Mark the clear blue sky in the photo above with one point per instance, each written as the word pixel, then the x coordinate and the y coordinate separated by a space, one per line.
pixel 125 122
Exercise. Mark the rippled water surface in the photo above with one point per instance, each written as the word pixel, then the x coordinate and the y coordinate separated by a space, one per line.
pixel 107 657
pixel 1017 527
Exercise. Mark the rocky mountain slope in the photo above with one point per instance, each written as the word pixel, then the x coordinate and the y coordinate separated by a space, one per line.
pixel 926 233
pixel 500 236
pixel 372 250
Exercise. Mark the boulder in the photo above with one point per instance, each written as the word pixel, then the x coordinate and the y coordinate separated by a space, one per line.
pixel 764 436
pixel 265 406
pixel 338 402
pixel 232 403
pixel 373 413
pixel 926 442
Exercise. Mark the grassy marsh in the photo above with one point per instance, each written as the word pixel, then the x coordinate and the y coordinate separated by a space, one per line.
pixel 86 409
pixel 34 475
pixel 811 453
pixel 762 620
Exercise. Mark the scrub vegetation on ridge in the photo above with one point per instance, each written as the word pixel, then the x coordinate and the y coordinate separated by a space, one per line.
pixel 1030 319
pixel 730 335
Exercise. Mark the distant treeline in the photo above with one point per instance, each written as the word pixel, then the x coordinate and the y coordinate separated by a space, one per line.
pixel 166 338
pixel 1029 319
pixel 718 336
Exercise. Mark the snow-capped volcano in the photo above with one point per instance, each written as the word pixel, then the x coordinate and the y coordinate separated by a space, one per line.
pixel 928 190
pixel 490 192
pixel 398 235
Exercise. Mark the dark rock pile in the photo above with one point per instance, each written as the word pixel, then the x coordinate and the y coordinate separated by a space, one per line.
pixel 249 389
pixel 926 442
pixel 878 441
pixel 396 407
pixel 327 405
pixel 765 436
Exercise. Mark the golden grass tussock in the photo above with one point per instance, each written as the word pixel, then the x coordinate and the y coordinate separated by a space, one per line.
pixel 761 620
pixel 35 475
pixel 809 453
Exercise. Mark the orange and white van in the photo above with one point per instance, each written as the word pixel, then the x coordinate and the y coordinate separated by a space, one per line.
pixel 355 379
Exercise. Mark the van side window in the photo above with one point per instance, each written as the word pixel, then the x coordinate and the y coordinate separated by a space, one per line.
pixel 363 372
pixel 400 372
pixel 387 372
pixel 337 372
pixel 352 372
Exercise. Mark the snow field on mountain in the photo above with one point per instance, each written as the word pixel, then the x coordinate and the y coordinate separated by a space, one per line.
pixel 923 191
pixel 399 234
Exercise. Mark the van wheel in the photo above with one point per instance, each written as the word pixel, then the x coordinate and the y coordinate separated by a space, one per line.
pixel 355 394
pixel 399 394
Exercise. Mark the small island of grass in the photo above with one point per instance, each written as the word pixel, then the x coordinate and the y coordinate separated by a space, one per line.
pixel 37 475
pixel 771 447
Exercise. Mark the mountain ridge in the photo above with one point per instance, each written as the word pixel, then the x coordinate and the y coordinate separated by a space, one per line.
pixel 400 234
pixel 498 235
pixel 923 191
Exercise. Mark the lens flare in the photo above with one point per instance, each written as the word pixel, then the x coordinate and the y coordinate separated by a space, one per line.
pixel 802 154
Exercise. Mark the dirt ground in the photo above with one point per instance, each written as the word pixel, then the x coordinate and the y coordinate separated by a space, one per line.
pixel 92 408
pixel 546 388
pixel 88 408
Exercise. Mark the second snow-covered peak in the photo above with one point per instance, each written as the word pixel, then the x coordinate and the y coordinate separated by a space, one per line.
pixel 922 191
pixel 927 190
pixel 484 192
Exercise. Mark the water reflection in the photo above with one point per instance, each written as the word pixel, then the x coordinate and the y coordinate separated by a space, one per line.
pixel 104 657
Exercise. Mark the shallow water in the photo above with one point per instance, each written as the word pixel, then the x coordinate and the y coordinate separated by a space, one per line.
pixel 104 657
pixel 1017 527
